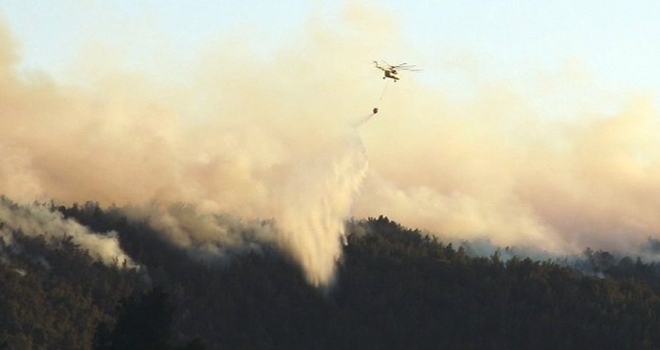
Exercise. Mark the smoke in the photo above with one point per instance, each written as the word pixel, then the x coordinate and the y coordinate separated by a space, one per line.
pixel 204 235
pixel 546 163
pixel 39 220
pixel 241 138
pixel 496 169
pixel 312 199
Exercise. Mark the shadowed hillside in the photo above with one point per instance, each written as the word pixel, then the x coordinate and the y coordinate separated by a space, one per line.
pixel 396 288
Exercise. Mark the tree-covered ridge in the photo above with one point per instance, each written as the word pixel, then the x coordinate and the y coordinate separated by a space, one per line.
pixel 480 302
pixel 52 297
pixel 396 288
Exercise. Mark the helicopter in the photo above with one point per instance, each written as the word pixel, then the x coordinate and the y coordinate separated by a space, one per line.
pixel 392 71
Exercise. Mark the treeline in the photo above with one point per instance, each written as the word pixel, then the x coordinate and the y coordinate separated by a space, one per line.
pixel 396 289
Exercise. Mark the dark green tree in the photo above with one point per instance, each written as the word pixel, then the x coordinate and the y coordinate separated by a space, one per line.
pixel 143 323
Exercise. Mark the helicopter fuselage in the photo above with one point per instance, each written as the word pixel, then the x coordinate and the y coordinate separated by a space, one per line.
pixel 390 74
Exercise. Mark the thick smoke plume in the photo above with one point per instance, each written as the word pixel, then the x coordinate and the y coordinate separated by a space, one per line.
pixel 550 163
pixel 311 203
pixel 242 141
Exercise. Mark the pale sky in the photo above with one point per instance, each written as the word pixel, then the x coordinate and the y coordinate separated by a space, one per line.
pixel 614 40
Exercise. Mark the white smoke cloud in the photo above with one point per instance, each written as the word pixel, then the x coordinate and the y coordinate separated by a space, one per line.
pixel 39 220
pixel 204 235
pixel 312 198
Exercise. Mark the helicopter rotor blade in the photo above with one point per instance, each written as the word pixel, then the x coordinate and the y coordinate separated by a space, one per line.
pixel 401 66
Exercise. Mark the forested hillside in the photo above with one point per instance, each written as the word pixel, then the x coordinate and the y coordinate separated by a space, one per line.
pixel 395 289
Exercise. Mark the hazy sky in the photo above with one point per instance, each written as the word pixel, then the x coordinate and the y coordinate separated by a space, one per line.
pixel 614 40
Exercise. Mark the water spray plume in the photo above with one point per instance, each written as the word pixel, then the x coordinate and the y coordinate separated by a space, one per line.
pixel 316 203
